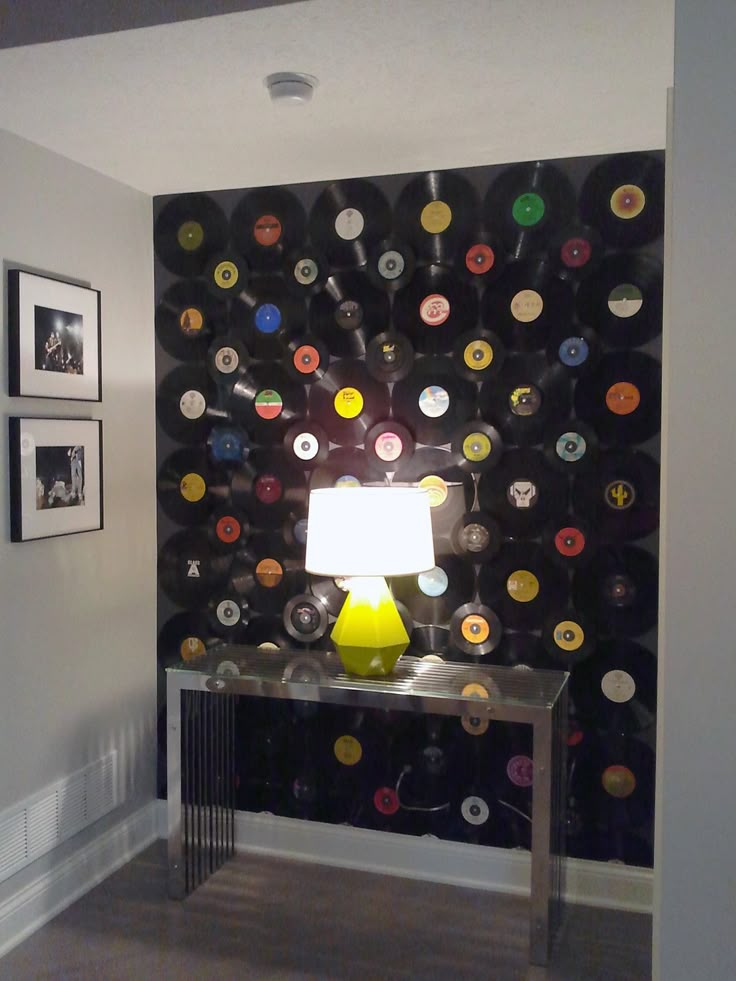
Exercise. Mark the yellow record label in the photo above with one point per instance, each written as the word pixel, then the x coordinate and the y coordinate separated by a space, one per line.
pixel 478 355
pixel 476 689
pixel 476 447
pixel 190 235
pixel 526 306
pixel 190 648
pixel 618 781
pixel 348 403
pixel 522 586
pixel 436 489
pixel 225 274
pixel 436 217
pixel 628 201
pixel 348 750
pixel 192 487
pixel 191 321
pixel 568 635
pixel 473 725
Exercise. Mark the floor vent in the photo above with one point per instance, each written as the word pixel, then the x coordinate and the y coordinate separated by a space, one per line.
pixel 40 823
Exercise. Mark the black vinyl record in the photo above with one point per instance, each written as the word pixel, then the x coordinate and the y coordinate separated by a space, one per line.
pixel 347 401
pixel 576 251
pixel 528 203
pixel 622 300
pixel 434 308
pixel 345 466
pixel 348 219
pixel 305 271
pixel 186 404
pixel 388 445
pixel 576 348
pixel 569 541
pixel 189 572
pixel 266 401
pixel 186 320
pixel 306 358
pixel 294 531
pixel 266 575
pixel 267 223
pixel 226 274
pixel 480 258
pixel 523 651
pixel 267 633
pixel 521 585
pixel 436 470
pixel 621 497
pixel 432 596
pixel 432 400
pixel 306 444
pixel 617 686
pixel 188 488
pixel 476 446
pixel 571 447
pixel 348 313
pixel 185 637
pixel 305 618
pixel 228 615
pixel 621 398
pixel 391 264
pixel 430 641
pixel 522 492
pixel 434 212
pixel 271 315
pixel 568 636
pixel 188 230
pixel 476 537
pixel 478 355
pixel 228 529
pixel 623 197
pixel 619 589
pixel 332 593
pixel 475 629
pixel 268 486
pixel 526 303
pixel 228 358
pixel 389 357
pixel 228 446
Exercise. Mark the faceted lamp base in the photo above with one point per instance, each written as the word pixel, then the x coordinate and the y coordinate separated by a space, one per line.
pixel 369 635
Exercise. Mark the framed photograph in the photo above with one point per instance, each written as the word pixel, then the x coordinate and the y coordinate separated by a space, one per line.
pixel 53 338
pixel 55 477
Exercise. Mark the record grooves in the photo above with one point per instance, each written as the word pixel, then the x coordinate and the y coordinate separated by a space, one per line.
pixel 186 404
pixel 623 197
pixel 434 308
pixel 266 401
pixel 522 586
pixel 621 398
pixel 347 402
pixel 622 300
pixel 188 231
pixel 186 319
pixel 266 224
pixel 526 303
pixel 348 219
pixel 188 489
pixel 348 313
pixel 432 400
pixel 434 211
pixel 522 493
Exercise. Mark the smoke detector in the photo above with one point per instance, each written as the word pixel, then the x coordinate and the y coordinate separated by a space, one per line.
pixel 290 87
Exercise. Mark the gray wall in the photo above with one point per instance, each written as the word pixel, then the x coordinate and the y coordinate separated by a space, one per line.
pixel 77 614
pixel 695 885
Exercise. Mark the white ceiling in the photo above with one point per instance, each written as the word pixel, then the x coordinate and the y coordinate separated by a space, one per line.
pixel 404 85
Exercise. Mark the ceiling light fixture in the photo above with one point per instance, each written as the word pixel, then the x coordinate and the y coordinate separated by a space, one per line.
pixel 292 88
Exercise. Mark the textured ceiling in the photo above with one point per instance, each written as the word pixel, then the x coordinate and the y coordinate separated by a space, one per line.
pixel 404 85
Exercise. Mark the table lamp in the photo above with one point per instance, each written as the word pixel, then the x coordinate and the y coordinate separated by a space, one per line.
pixel 365 534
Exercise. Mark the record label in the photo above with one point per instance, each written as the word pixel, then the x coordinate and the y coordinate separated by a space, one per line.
pixel 475 629
pixel 474 725
pixel 433 658
pixel 191 322
pixel 476 447
pixel 191 648
pixel 618 686
pixel 348 750
pixel 479 259
pixel 305 446
pixel 269 573
pixel 571 447
pixel 620 495
pixel 306 271
pixel 528 209
pixel 348 403
pixel 436 489
pixel 474 688
pixel 475 537
pixel 386 801
pixel 434 401
pixel 267 318
pixel 228 529
pixel 436 217
pixel 434 582
pixel 226 444
pixel 306 359
pixel 349 224
pixel 478 355
pixel 619 590
pixel 628 201
pixel 520 770
pixel 192 404
pixel 522 586
pixel 226 360
pixel 228 613
pixel 190 235
pixel 475 810
pixel 623 398
pixel 525 400
pixel 388 447
pixel 268 488
pixel 522 494
pixel 391 264
pixel 574 351
pixel 225 274
pixel 569 541
pixel 526 306
pixel 625 300
pixel 268 403
pixel 193 568
pixel 300 531
pixel 192 487
pixel 568 635
pixel 618 781
pixel 348 314
pixel 575 252
pixel 267 230
pixel 347 480
pixel 434 309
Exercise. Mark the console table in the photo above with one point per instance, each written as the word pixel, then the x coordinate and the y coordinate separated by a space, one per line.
pixel 200 702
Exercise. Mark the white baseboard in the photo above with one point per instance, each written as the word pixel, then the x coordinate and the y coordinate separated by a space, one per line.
pixel 66 879
pixel 600 884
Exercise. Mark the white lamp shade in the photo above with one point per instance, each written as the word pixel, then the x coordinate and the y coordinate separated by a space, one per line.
pixel 369 531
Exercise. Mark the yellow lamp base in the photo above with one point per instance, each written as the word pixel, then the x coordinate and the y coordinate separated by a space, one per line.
pixel 369 635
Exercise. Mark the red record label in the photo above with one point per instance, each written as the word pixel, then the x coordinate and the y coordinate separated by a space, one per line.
pixel 575 252
pixel 306 359
pixel 268 488
pixel 434 309
pixel 228 529
pixel 386 800
pixel 267 230
pixel 569 541
pixel 479 259
pixel 520 771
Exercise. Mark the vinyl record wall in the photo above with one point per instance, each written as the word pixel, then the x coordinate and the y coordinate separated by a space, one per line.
pixel 492 334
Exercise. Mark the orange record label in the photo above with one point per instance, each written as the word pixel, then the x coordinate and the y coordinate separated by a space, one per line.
pixel 269 573
pixel 436 488
pixel 191 321
pixel 190 648
pixel 623 398
pixel 479 258
pixel 192 487
pixel 522 586
pixel 475 689
pixel 526 306
pixel 568 635
pixel 348 750
pixel 228 529
pixel 618 781
pixel 267 230
pixel 348 403
pixel 475 629
pixel 190 236
pixel 628 201
pixel 478 355
pixel 436 217
pixel 306 359
pixel 434 309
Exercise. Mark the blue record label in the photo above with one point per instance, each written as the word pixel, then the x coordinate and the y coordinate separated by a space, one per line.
pixel 571 447
pixel 268 318
pixel 574 351
pixel 226 445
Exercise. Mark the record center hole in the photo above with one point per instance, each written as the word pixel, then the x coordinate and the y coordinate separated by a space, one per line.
pixel 568 635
